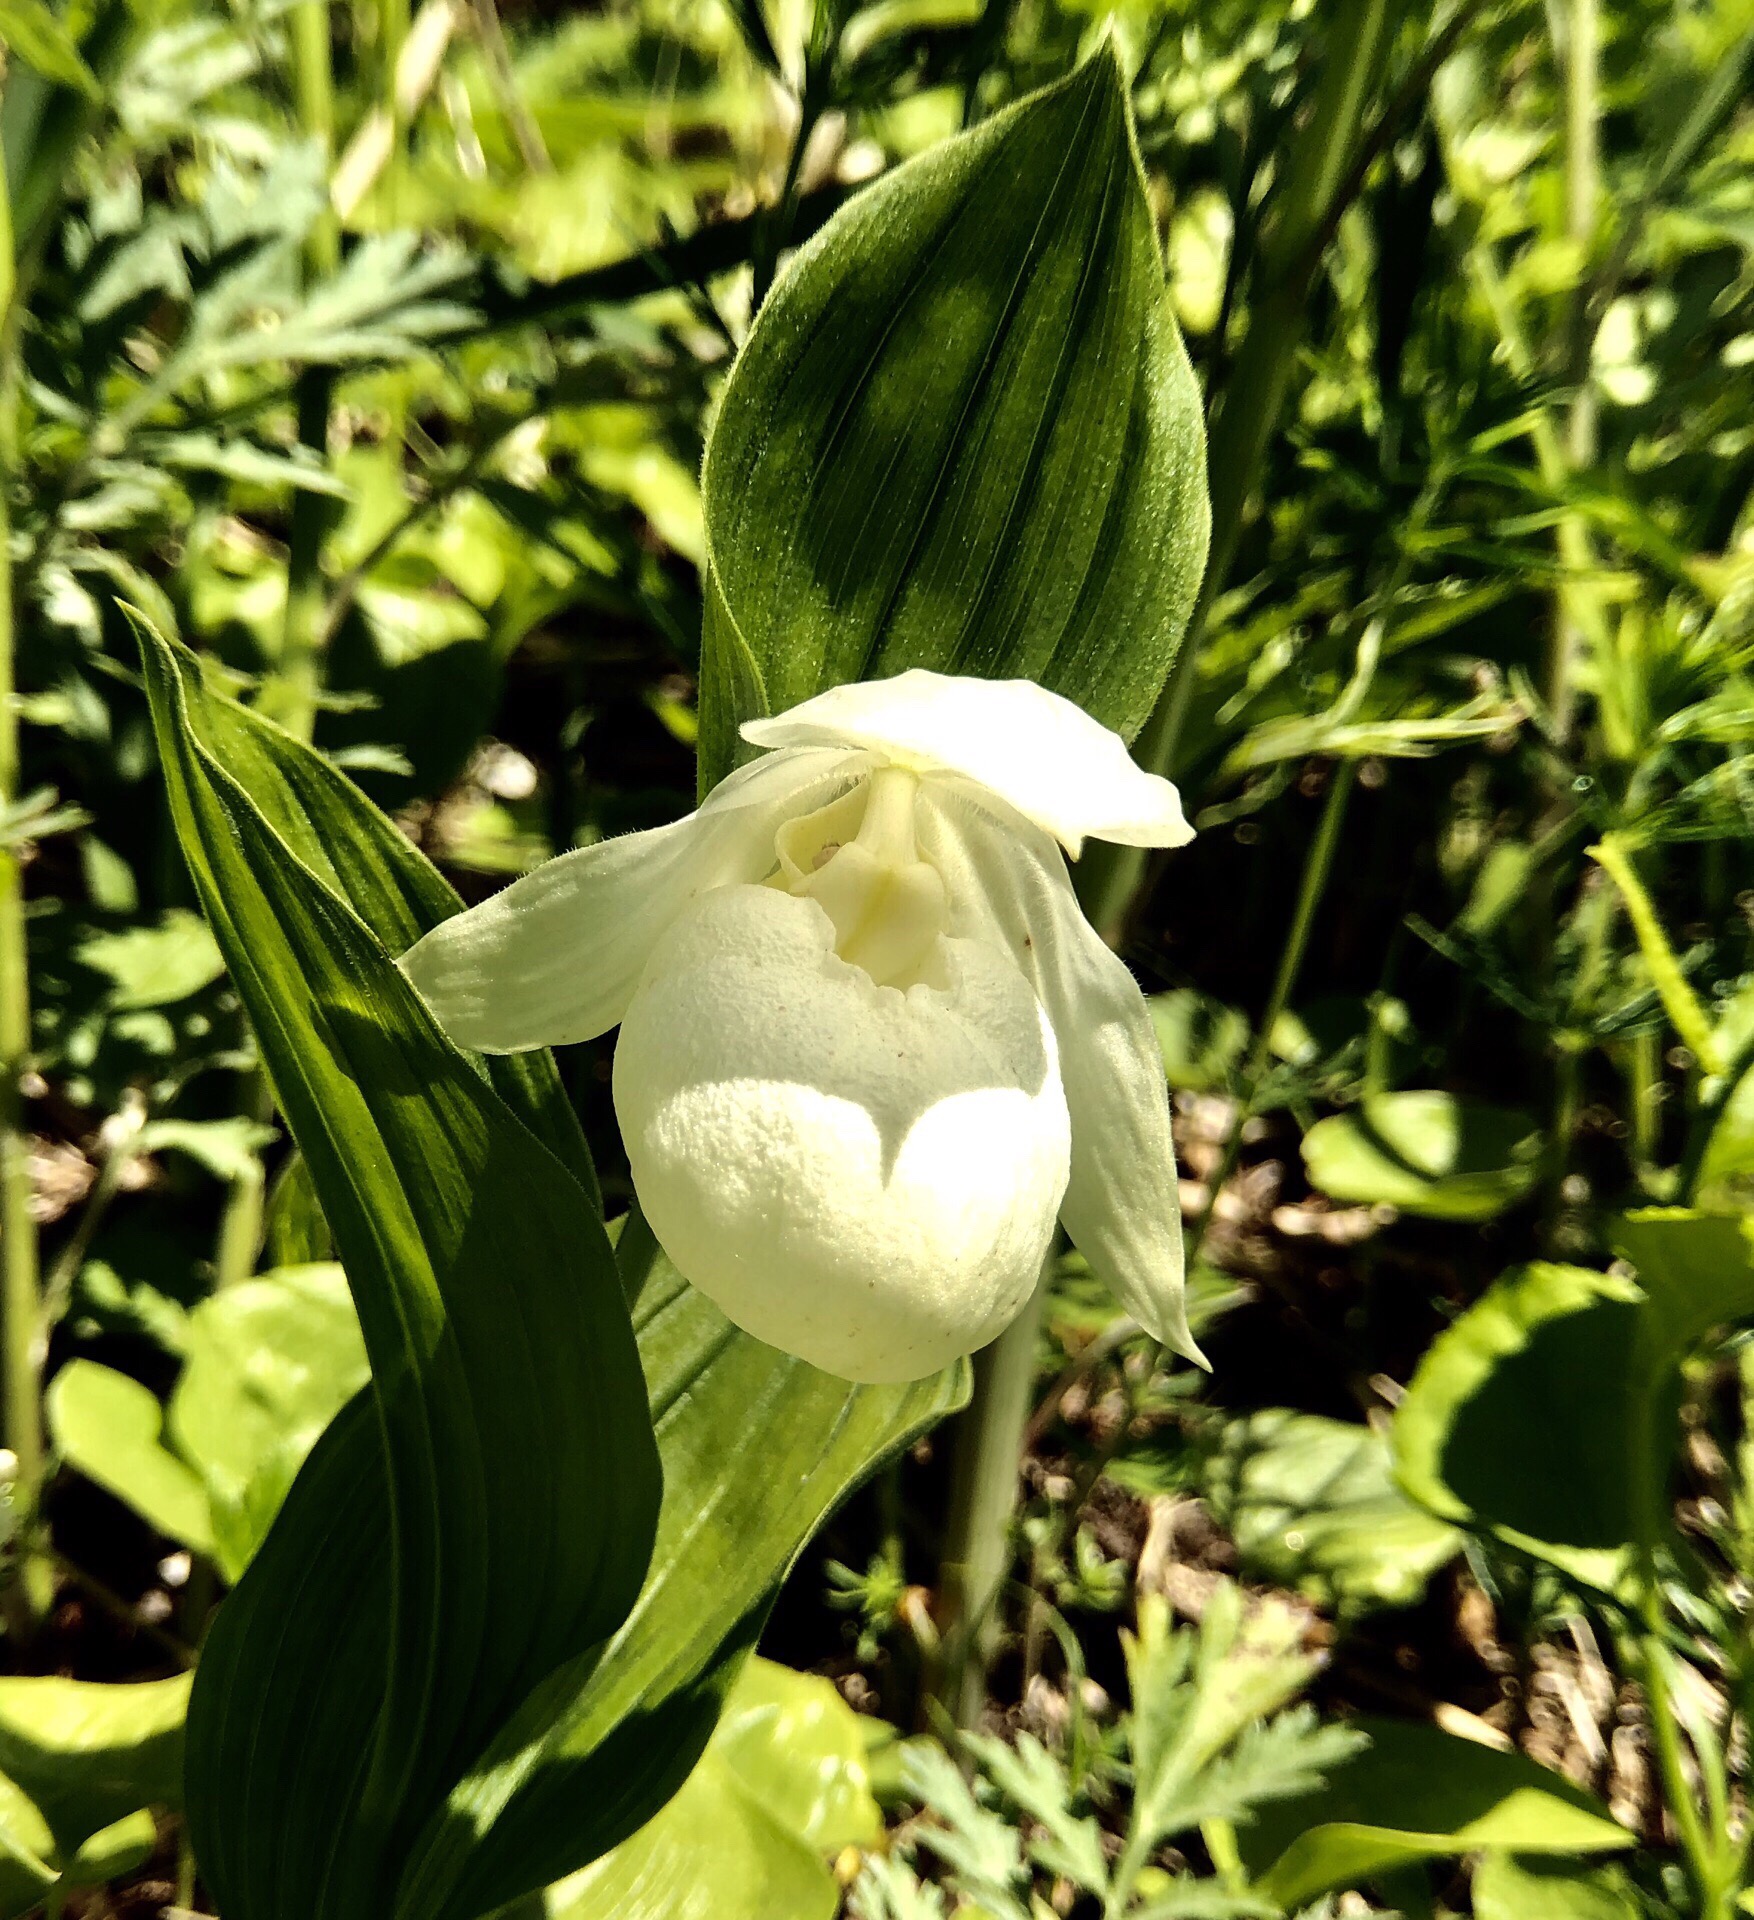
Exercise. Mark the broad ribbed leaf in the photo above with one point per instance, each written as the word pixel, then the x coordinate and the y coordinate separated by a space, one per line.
pixel 963 434
pixel 757 1449
pixel 483 1517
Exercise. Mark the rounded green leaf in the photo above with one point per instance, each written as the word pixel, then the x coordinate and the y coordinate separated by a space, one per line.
pixel 1516 1421
pixel 1426 1153
pixel 963 434
pixel 89 1754
pixel 1547 1413
pixel 781 1784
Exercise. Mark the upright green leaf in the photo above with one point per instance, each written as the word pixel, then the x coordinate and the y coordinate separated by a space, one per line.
pixel 963 434
pixel 484 1519
pixel 756 1449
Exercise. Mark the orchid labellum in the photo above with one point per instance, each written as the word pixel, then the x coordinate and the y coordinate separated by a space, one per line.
pixel 870 1047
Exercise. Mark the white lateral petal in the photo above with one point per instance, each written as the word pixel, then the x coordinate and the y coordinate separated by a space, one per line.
pixel 1007 883
pixel 1058 767
pixel 556 956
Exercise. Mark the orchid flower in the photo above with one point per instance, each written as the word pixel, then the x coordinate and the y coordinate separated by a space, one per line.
pixel 870 1047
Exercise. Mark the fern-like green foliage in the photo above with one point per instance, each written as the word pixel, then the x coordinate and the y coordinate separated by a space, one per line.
pixel 1213 1731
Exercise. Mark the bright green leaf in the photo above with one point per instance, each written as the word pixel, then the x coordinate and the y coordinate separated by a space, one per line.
pixel 153 966
pixel 1516 1419
pixel 1426 1153
pixel 34 33
pixel 27 1852
pixel 270 1363
pixel 1413 1794
pixel 1312 1504
pixel 109 1427
pixel 781 1784
pixel 963 434
pixel 229 1149
pixel 1547 1413
pixel 1508 1886
pixel 798 1748
pixel 120 1848
pixel 90 1754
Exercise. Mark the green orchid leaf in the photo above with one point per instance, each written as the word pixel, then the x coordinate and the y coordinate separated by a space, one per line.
pixel 1547 1414
pixel 757 1448
pixel 1426 1153
pixel 1416 1793
pixel 481 1517
pixel 110 1428
pixel 963 434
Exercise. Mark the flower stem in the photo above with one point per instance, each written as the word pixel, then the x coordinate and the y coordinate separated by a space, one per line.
pixel 1316 871
pixel 977 1550
pixel 1316 177
pixel 292 696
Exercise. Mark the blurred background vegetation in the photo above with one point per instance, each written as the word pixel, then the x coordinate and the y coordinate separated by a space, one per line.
pixel 370 351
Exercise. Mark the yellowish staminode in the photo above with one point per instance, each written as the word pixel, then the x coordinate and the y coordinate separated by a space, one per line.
pixel 870 1048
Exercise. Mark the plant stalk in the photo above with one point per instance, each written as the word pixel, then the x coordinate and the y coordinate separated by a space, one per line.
pixel 1583 167
pixel 292 696
pixel 1317 870
pixel 977 1550
pixel 1253 397
pixel 20 1278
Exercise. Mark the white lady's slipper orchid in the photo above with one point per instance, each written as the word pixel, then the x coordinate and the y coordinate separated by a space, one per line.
pixel 870 1047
